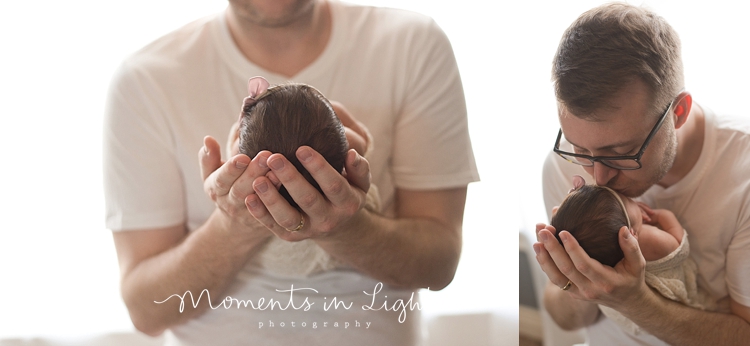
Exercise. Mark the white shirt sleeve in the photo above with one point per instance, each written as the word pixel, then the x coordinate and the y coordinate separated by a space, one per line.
pixel 142 181
pixel 738 255
pixel 433 122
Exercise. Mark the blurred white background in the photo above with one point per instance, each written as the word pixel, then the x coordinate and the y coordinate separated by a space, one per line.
pixel 58 268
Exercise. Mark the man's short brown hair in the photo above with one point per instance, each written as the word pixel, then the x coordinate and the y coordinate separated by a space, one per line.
pixel 610 46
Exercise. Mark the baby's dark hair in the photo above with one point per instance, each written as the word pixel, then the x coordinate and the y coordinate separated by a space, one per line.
pixel 288 116
pixel 593 216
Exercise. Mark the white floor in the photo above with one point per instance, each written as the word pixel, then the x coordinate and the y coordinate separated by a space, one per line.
pixel 478 329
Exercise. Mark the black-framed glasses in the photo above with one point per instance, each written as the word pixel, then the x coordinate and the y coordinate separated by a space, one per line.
pixel 627 162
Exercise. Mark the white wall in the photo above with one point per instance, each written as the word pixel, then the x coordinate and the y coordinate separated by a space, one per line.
pixel 58 271
pixel 58 268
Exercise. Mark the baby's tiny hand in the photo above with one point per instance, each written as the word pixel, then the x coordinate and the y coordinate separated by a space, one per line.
pixel 658 217
pixel 647 212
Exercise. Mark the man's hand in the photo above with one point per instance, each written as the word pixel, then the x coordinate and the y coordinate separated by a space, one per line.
pixel 229 183
pixel 345 195
pixel 619 288
pixel 324 215
pixel 356 133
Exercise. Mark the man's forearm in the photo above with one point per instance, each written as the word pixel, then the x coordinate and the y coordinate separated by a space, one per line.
pixel 407 252
pixel 678 324
pixel 209 258
pixel 567 312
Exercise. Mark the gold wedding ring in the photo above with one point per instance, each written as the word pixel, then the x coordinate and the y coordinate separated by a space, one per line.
pixel 567 286
pixel 299 227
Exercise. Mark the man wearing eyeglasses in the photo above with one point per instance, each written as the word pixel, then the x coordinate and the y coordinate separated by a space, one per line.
pixel 627 121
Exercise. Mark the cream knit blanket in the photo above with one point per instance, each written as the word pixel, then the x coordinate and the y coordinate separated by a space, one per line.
pixel 674 277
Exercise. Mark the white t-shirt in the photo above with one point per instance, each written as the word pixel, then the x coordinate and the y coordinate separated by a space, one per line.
pixel 394 70
pixel 712 201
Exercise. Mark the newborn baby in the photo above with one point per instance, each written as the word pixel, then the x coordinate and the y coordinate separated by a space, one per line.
pixel 280 119
pixel 594 215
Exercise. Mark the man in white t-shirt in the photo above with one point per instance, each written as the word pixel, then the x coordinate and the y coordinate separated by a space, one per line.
pixel 183 227
pixel 627 122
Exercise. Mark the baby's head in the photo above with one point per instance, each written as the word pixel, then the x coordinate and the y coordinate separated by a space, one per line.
pixel 282 118
pixel 594 215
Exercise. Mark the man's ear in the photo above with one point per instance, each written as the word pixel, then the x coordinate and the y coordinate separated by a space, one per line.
pixel 681 108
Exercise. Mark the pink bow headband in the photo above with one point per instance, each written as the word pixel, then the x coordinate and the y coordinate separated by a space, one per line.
pixel 256 86
pixel 578 183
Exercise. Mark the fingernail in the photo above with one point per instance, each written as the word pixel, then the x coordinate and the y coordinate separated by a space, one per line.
pixel 241 164
pixel 262 161
pixel 627 235
pixel 205 149
pixel 252 202
pixel 543 236
pixel 276 163
pixel 564 237
pixel 536 250
pixel 262 187
pixel 304 155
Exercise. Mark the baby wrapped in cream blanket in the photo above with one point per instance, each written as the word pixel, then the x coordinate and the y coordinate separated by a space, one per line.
pixel 675 277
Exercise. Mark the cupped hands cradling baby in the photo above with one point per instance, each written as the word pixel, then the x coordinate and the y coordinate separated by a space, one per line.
pixel 282 118
pixel 279 120
pixel 593 215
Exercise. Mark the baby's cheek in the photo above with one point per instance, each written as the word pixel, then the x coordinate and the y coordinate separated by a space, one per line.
pixel 638 221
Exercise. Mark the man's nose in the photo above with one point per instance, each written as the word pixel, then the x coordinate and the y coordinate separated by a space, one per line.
pixel 603 174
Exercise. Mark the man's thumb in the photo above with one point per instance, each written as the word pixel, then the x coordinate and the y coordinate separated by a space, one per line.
pixel 630 249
